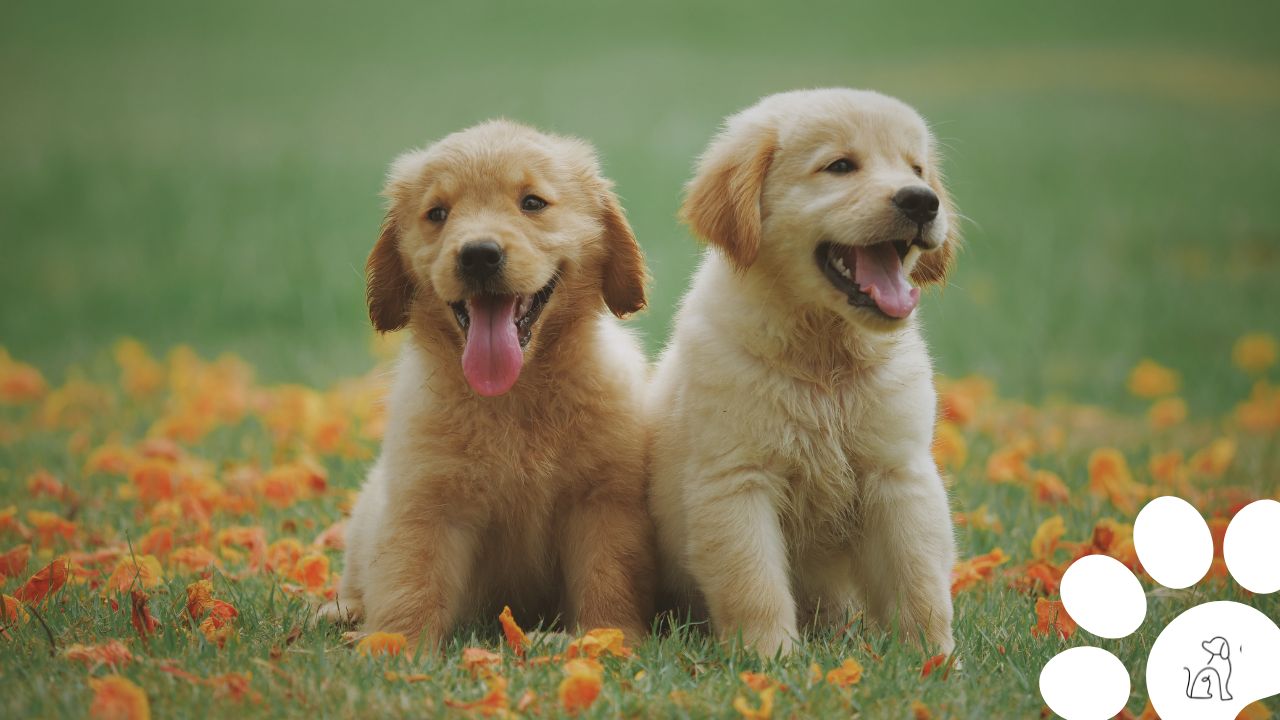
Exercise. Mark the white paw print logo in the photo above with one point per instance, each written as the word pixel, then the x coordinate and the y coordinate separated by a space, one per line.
pixel 1213 659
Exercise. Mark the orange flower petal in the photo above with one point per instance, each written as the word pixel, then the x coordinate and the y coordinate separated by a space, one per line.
pixel 117 698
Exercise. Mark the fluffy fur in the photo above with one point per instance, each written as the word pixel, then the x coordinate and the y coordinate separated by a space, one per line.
pixel 791 466
pixel 534 498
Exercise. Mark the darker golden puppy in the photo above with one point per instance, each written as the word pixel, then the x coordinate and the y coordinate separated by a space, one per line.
pixel 512 467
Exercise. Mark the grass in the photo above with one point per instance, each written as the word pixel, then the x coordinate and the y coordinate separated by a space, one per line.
pixel 208 175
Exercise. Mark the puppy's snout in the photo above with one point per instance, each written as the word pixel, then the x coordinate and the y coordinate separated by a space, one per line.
pixel 480 260
pixel 918 203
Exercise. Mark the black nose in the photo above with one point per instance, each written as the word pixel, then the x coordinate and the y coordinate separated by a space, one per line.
pixel 480 260
pixel 918 203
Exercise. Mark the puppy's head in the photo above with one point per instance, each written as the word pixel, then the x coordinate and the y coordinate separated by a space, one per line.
pixel 495 232
pixel 836 193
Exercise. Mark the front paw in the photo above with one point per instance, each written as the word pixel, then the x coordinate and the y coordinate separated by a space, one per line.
pixel 774 642
pixel 341 612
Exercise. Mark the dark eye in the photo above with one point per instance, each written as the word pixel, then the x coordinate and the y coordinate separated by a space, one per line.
pixel 918 170
pixel 843 166
pixel 532 203
pixel 437 214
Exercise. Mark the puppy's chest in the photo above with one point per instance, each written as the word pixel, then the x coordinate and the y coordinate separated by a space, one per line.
pixel 827 444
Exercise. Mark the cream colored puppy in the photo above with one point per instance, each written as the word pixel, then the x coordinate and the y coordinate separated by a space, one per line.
pixel 793 411
pixel 512 470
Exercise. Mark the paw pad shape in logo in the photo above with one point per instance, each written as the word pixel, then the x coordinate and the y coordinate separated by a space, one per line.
pixel 1213 659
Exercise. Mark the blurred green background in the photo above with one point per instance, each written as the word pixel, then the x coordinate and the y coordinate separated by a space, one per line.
pixel 209 173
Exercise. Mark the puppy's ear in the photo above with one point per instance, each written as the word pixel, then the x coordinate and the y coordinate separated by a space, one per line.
pixel 625 276
pixel 389 288
pixel 934 266
pixel 722 201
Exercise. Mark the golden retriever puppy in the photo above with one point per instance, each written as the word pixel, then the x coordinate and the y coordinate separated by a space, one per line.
pixel 793 410
pixel 512 470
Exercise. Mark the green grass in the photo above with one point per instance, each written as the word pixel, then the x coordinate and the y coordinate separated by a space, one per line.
pixel 209 175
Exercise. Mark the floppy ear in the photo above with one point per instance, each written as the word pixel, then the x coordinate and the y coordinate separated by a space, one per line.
pixel 722 201
pixel 1224 649
pixel 389 288
pixel 933 266
pixel 625 275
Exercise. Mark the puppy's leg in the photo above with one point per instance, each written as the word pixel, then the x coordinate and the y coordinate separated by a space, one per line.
pixel 738 556
pixel 608 559
pixel 907 553
pixel 360 529
pixel 417 578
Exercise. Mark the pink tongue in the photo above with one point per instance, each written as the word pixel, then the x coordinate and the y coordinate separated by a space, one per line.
pixel 879 273
pixel 492 358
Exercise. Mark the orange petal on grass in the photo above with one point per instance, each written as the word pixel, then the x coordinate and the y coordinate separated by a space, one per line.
pixel 192 559
pixel 199 598
pixel 477 659
pixel 935 662
pixel 601 641
pixel 219 626
pixel 44 583
pixel 134 572
pixel 312 571
pixel 1008 464
pixel 1042 577
pixel 974 570
pixel 516 638
pixel 757 681
pixel 848 673
pixel 113 654
pixel 581 685
pixel 14 562
pixel 49 526
pixel 117 698
pixel 381 643
pixel 1214 459
pixel 1109 477
pixel 762 712
pixel 42 483
pixel 158 541
pixel 1045 541
pixel 1049 488
pixel 110 459
pixel 11 610
pixel 1051 616
pixel 234 685
pixel 493 702
pixel 140 614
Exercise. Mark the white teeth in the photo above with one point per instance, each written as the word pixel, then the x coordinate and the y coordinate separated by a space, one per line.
pixel 523 307
pixel 838 263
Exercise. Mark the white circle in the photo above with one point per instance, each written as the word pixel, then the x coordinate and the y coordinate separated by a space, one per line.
pixel 1173 542
pixel 1252 547
pixel 1103 597
pixel 1085 683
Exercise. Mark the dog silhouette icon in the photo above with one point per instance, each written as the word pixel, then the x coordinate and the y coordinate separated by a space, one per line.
pixel 1214 678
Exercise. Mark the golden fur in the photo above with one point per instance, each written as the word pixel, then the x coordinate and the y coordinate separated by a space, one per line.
pixel 534 498
pixel 791 466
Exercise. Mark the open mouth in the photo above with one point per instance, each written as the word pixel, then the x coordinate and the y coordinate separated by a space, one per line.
pixel 497 328
pixel 526 309
pixel 871 276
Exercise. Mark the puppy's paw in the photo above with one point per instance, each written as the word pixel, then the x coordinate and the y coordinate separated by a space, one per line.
pixel 774 643
pixel 340 612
